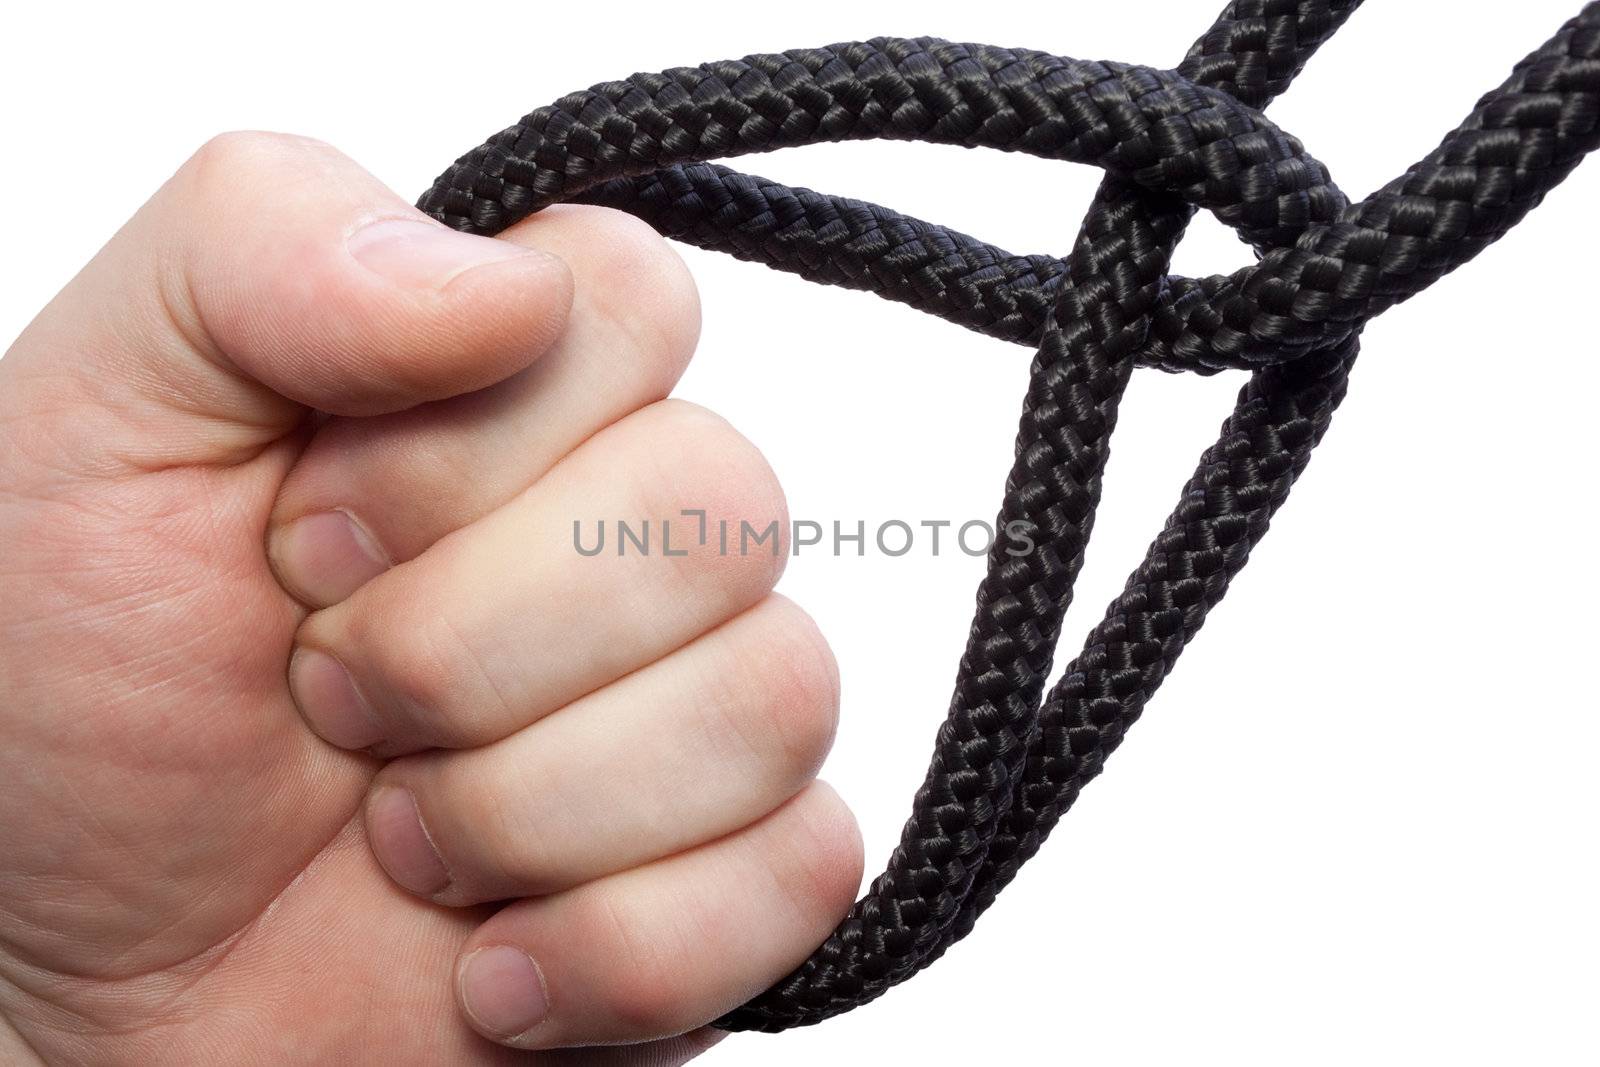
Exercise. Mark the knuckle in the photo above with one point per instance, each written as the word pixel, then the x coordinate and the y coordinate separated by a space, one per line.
pixel 514 846
pixel 699 461
pixel 429 676
pixel 659 308
pixel 222 163
pixel 794 668
pixel 266 263
pixel 447 682
pixel 827 856
pixel 645 1007
pixel 645 987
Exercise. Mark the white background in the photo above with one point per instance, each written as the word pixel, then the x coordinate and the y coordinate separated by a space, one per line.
pixel 1358 823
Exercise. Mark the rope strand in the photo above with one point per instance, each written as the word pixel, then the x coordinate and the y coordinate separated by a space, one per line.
pixel 1010 759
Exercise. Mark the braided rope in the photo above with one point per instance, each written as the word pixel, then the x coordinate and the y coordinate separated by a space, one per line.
pixel 1009 758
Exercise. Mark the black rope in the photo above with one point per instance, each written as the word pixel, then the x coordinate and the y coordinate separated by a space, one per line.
pixel 1010 758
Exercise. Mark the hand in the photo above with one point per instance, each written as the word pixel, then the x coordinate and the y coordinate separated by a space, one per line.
pixel 300 671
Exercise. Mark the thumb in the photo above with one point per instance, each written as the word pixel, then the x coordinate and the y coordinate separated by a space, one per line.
pixel 270 275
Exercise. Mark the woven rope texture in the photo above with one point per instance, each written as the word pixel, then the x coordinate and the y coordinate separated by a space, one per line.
pixel 1010 758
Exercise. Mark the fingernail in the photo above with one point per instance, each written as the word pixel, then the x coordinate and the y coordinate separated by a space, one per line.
pixel 325 557
pixel 330 701
pixel 503 991
pixel 401 842
pixel 420 254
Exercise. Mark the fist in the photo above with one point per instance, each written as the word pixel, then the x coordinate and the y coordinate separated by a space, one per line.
pixel 324 729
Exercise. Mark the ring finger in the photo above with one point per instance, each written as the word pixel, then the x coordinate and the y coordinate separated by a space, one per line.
pixel 693 747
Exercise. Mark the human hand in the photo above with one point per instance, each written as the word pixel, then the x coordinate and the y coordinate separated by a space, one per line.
pixel 283 412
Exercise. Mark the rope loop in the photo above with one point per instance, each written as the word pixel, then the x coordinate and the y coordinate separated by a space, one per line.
pixel 1156 128
pixel 1010 757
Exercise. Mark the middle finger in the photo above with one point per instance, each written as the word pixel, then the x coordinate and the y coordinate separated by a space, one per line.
pixel 504 621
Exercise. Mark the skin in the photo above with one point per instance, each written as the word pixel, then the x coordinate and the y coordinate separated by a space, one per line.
pixel 301 680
